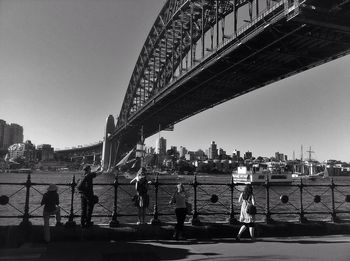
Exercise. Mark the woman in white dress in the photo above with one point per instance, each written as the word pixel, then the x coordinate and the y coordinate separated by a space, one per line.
pixel 246 198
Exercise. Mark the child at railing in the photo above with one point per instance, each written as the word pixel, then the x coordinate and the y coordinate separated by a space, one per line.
pixel 51 204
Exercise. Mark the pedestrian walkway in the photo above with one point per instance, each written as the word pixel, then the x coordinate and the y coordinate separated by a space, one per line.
pixel 269 248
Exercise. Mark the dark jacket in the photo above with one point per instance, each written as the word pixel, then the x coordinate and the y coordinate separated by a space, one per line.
pixel 50 200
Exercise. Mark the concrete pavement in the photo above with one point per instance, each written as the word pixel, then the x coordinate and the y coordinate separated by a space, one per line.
pixel 335 247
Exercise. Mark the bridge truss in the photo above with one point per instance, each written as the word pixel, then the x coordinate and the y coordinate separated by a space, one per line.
pixel 200 53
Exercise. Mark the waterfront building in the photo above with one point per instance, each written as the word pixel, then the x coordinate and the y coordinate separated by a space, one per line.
pixel 213 151
pixel 25 151
pixel 200 155
pixel 279 156
pixel 174 149
pixel 190 156
pixel 44 152
pixel 248 155
pixel 161 146
pixel 222 154
pixel 10 134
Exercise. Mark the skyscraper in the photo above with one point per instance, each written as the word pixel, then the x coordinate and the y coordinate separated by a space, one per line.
pixel 10 134
pixel 213 151
pixel 161 146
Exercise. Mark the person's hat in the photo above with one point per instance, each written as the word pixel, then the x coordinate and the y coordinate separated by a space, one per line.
pixel 52 187
pixel 87 167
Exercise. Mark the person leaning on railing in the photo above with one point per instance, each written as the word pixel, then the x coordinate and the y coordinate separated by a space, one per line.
pixel 88 199
pixel 51 204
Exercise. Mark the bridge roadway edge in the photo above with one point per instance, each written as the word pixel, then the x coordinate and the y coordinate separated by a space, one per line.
pixel 15 236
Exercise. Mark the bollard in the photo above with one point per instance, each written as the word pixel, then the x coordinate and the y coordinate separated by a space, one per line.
pixel 25 222
pixel 114 222
pixel 71 222
pixel 155 220
pixel 334 213
pixel 195 220
pixel 231 219
pixel 302 218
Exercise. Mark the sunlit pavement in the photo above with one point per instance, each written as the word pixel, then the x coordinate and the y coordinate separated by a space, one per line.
pixel 294 248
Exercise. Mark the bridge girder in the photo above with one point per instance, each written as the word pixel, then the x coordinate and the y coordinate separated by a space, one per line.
pixel 287 37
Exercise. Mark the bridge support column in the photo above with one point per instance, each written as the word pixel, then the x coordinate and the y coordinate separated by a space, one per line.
pixel 107 144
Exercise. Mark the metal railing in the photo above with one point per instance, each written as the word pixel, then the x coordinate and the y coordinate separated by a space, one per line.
pixel 281 201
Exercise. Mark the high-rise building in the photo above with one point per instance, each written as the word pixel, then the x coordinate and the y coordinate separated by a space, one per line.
pixel 10 134
pixel 236 154
pixel 2 133
pixel 279 156
pixel 16 133
pixel 161 146
pixel 213 151
pixel 182 152
pixel 222 154
pixel 248 155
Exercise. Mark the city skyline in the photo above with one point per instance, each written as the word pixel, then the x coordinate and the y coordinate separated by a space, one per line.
pixel 66 65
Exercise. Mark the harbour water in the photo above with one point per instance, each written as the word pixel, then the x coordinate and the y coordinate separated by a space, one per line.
pixel 210 187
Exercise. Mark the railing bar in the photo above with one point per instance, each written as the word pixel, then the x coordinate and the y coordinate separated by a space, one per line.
pixel 16 208
pixel 16 192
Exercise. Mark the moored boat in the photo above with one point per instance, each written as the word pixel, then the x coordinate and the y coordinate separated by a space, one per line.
pixel 261 174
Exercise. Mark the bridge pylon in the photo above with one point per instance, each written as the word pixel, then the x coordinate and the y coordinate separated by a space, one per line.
pixel 108 149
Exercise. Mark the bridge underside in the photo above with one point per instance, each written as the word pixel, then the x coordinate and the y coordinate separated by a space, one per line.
pixel 280 49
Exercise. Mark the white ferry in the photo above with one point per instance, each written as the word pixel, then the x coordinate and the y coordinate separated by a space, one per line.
pixel 260 173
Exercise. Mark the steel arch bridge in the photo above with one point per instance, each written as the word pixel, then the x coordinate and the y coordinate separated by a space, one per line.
pixel 200 53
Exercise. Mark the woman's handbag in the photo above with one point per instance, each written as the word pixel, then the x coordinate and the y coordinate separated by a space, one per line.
pixel 188 208
pixel 251 209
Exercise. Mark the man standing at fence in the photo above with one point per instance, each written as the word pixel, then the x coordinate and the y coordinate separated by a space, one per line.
pixel 88 199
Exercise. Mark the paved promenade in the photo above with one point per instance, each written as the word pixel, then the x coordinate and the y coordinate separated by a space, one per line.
pixel 326 248
pixel 214 241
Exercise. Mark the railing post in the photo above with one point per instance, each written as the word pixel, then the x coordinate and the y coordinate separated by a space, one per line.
pixel 195 220
pixel 232 220
pixel 268 218
pixel 25 222
pixel 114 222
pixel 155 220
pixel 71 222
pixel 302 218
pixel 334 214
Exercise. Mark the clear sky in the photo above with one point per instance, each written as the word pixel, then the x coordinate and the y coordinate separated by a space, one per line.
pixel 65 66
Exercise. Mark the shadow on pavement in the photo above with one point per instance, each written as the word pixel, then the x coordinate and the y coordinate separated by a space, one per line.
pixel 306 242
pixel 110 251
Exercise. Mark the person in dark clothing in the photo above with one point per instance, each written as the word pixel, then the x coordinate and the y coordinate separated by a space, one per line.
pixel 51 204
pixel 142 197
pixel 179 199
pixel 88 199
